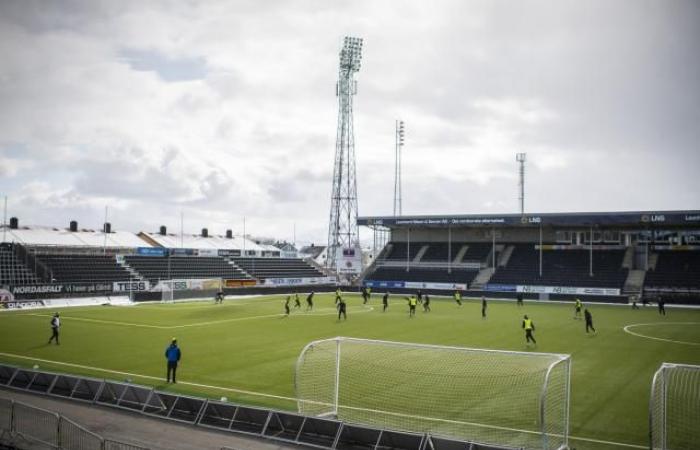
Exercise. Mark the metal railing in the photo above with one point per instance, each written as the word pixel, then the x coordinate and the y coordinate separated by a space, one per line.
pixel 22 423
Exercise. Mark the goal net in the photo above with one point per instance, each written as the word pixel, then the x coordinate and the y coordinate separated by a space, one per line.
pixel 514 399
pixel 167 290
pixel 674 407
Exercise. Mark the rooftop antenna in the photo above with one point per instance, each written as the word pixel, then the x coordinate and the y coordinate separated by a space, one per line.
pixel 399 140
pixel 521 158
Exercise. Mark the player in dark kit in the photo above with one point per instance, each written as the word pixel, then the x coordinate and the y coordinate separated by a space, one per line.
pixel 365 296
pixel 662 306
pixel 55 325
pixel 483 307
pixel 520 299
pixel 342 309
pixel 529 327
pixel 426 303
pixel 385 301
pixel 589 320
pixel 172 355
pixel 286 306
pixel 297 303
pixel 310 301
pixel 419 296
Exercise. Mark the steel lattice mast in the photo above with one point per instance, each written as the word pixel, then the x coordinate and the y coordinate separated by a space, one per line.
pixel 342 225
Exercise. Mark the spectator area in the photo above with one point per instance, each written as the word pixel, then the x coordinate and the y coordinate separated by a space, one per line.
pixel 675 269
pixel 263 268
pixel 12 270
pixel 562 268
pixel 154 268
pixel 418 274
pixel 70 268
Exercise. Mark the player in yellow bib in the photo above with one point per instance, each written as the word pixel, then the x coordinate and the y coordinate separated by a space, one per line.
pixel 529 327
pixel 577 312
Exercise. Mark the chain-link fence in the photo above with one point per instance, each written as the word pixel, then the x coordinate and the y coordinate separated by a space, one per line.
pixel 40 429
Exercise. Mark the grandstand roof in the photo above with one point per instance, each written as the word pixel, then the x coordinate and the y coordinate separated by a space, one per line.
pixel 199 242
pixel 628 219
pixel 37 235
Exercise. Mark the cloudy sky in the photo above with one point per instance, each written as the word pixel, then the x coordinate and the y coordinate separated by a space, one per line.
pixel 225 110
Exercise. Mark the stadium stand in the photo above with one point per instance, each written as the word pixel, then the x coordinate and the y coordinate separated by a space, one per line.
pixel 81 268
pixel 421 274
pixel 562 268
pixel 675 270
pixel 154 268
pixel 263 268
pixel 12 270
pixel 399 250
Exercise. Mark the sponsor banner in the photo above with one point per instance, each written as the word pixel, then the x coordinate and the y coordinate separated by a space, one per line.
pixel 229 253
pixel 187 285
pixel 23 305
pixel 500 287
pixel 6 296
pixel 384 284
pixel 568 290
pixel 151 251
pixel 348 261
pixel 38 289
pixel 677 247
pixel 207 252
pixel 182 252
pixel 580 247
pixel 297 281
pixel 438 286
pixel 130 286
pixel 239 283
pixel 88 288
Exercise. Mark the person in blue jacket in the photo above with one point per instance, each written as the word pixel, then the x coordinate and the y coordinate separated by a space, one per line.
pixel 172 354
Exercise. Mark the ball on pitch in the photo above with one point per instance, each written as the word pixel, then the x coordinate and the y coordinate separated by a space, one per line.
pixel 36 366
pixel 224 399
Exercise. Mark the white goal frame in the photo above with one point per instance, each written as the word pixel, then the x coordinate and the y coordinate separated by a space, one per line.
pixel 322 396
pixel 673 423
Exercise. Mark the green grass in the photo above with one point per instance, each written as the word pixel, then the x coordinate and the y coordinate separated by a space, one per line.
pixel 246 345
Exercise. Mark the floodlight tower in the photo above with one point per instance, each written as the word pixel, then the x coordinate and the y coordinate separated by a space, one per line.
pixel 399 135
pixel 342 226
pixel 520 158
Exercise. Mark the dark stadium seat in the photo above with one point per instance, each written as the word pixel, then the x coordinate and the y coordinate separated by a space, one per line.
pixel 263 268
pixel 154 268
pixel 421 274
pixel 82 268
pixel 12 270
pixel 675 270
pixel 562 268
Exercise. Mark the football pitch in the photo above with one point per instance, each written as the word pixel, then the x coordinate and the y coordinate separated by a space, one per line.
pixel 246 349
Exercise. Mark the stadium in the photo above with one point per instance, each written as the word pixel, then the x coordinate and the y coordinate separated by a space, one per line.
pixel 481 330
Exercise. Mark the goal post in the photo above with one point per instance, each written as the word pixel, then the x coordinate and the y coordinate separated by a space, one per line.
pixel 674 407
pixel 508 398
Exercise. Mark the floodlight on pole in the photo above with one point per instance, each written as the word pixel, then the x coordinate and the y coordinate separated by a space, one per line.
pixel 400 135
pixel 343 232
pixel 521 158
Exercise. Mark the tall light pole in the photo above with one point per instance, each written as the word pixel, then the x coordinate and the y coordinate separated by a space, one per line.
pixel 399 139
pixel 520 158
pixel 342 224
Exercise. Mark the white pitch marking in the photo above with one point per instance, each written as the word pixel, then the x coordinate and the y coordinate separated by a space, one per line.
pixel 200 324
pixel 294 399
pixel 627 330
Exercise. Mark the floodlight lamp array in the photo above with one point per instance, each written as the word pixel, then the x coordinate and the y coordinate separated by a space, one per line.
pixel 351 54
pixel 402 134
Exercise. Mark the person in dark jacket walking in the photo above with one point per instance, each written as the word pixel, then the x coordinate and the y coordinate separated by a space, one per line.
pixel 55 325
pixel 172 354
pixel 589 320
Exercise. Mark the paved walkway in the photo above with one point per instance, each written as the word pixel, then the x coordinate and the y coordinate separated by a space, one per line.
pixel 149 432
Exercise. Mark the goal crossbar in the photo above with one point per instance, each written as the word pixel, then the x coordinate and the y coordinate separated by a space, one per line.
pixel 492 396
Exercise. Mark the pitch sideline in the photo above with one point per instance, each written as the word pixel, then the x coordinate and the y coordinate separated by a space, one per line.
pixel 281 397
